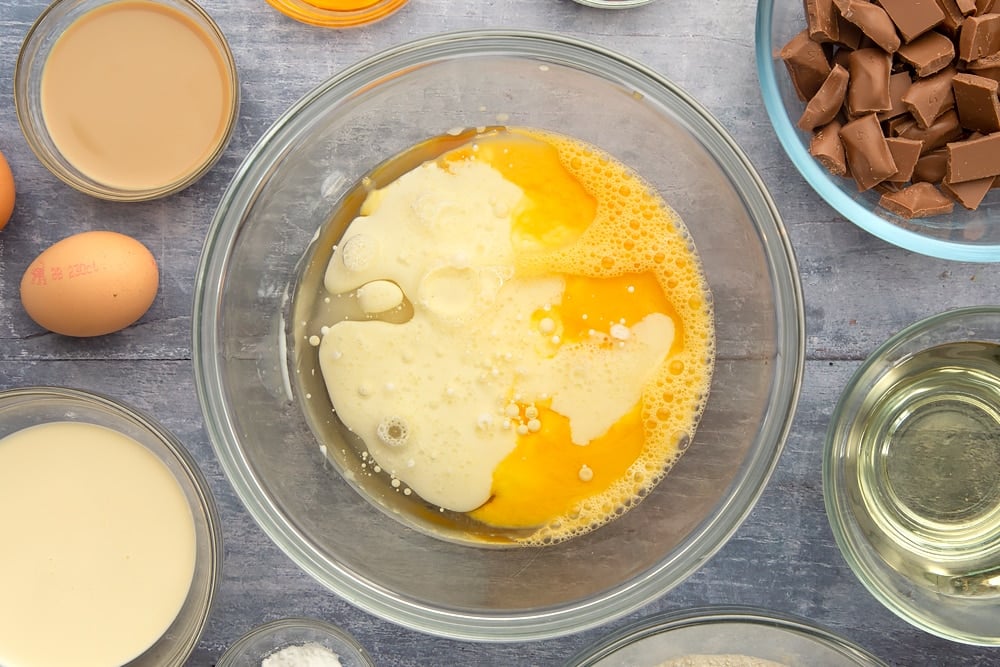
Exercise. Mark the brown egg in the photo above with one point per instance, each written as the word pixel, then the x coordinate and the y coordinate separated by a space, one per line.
pixel 6 192
pixel 90 284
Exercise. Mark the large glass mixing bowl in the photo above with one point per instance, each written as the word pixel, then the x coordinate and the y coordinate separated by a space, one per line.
pixel 298 478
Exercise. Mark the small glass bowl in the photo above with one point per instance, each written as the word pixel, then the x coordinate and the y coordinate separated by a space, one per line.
pixel 911 479
pixel 614 4
pixel 31 406
pixel 743 631
pixel 967 236
pixel 251 649
pixel 31 60
pixel 362 12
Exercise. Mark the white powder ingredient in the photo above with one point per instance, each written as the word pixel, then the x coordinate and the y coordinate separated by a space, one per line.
pixel 303 655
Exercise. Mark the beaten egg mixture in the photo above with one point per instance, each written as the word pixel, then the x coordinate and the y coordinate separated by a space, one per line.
pixel 558 342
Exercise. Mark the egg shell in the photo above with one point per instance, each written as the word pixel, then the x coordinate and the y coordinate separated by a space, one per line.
pixel 6 192
pixel 90 284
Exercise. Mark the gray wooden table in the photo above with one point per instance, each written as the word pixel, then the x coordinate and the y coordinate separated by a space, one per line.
pixel 858 291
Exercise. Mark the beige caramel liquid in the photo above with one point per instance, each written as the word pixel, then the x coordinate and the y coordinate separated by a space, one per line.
pixel 98 547
pixel 136 96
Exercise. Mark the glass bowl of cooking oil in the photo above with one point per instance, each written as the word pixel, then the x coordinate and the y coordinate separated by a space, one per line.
pixel 911 474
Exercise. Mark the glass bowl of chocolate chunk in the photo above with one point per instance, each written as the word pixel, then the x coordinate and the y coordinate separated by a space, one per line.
pixel 890 111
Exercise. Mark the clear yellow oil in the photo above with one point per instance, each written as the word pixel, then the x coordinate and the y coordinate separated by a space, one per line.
pixel 923 468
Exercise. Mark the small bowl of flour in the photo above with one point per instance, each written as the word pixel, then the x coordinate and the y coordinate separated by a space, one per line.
pixel 724 637
pixel 296 642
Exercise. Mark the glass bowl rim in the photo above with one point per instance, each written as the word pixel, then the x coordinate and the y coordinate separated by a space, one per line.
pixel 516 626
pixel 173 447
pixel 614 4
pixel 667 621
pixel 337 18
pixel 841 519
pixel 28 121
pixel 820 180
pixel 237 648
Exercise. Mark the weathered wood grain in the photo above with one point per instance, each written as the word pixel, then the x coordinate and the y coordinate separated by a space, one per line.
pixel 858 291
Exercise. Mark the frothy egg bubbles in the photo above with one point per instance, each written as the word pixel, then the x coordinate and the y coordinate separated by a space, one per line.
pixel 516 329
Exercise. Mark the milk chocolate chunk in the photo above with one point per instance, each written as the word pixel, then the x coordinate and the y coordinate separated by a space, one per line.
pixel 953 16
pixel 850 34
pixel 988 66
pixel 806 63
pixel 827 101
pixel 931 96
pixel 967 6
pixel 828 149
pixel 821 17
pixel 867 153
pixel 899 83
pixel 873 21
pixel 977 102
pixel 973 159
pixel 886 187
pixel 899 125
pixel 912 18
pixel 931 167
pixel 905 153
pixel 946 128
pixel 869 89
pixel 841 57
pixel 929 53
pixel 920 200
pixel 969 194
pixel 986 7
pixel 979 36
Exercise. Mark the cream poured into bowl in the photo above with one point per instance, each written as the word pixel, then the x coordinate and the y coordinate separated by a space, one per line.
pixel 534 345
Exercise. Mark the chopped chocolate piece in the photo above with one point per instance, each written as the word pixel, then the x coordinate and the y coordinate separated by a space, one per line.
pixel 905 153
pixel 996 183
pixel 841 57
pixel 873 21
pixel 827 101
pixel 931 96
pixel 869 89
pixel 977 102
pixel 887 187
pixel 929 53
pixel 850 34
pixel 988 66
pixel 969 194
pixel 986 7
pixel 967 6
pixel 946 128
pixel 822 19
pixel 920 200
pixel 931 167
pixel 953 16
pixel 913 19
pixel 899 83
pixel 979 36
pixel 806 63
pixel 973 159
pixel 867 152
pixel 828 149
pixel 897 126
